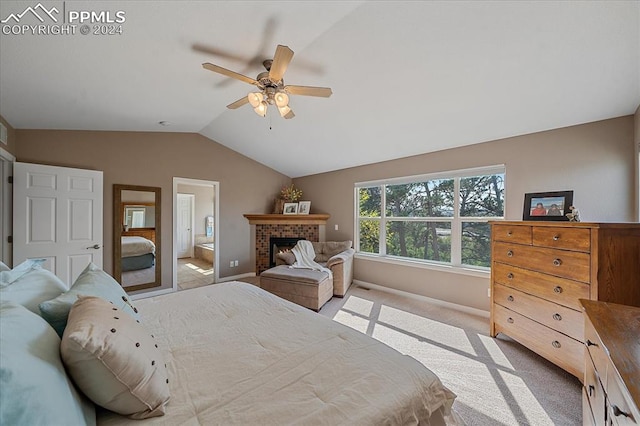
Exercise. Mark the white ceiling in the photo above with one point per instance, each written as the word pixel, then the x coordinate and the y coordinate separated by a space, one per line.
pixel 408 77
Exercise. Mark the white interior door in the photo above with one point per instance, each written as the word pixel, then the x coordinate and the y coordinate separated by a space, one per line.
pixel 6 201
pixel 57 215
pixel 185 225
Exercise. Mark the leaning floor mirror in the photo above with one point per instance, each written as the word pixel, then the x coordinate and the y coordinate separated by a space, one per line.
pixel 136 236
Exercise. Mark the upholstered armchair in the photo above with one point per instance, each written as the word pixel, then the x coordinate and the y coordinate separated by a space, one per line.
pixel 335 255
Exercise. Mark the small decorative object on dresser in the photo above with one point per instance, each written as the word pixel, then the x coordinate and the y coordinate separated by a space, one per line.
pixel 304 207
pixel 611 393
pixel 547 205
pixel 290 208
pixel 539 272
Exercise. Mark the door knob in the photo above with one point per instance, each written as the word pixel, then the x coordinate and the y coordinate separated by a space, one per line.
pixel 95 247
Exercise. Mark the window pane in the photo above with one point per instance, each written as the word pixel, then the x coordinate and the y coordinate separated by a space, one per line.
pixel 369 202
pixel 482 196
pixel 369 236
pixel 433 198
pixel 419 240
pixel 476 244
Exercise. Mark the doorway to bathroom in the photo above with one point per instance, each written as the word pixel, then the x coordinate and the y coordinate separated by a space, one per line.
pixel 195 233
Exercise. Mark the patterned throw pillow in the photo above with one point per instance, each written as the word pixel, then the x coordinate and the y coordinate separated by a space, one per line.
pixel 114 360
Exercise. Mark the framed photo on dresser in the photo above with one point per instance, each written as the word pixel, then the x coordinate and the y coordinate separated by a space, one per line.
pixel 552 206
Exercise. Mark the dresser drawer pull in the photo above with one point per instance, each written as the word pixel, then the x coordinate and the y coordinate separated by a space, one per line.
pixel 556 237
pixel 590 343
pixel 557 289
pixel 557 317
pixel 510 275
pixel 509 233
pixel 510 298
pixel 592 389
pixel 509 253
pixel 557 262
pixel 510 320
pixel 556 344
pixel 618 412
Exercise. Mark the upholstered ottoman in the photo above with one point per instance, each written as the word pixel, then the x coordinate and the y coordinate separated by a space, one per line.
pixel 306 287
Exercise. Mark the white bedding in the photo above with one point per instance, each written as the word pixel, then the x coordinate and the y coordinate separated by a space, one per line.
pixel 137 246
pixel 239 355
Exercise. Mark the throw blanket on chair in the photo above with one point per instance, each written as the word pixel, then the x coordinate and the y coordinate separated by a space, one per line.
pixel 305 256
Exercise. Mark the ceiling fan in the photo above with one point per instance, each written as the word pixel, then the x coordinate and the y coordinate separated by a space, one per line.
pixel 272 91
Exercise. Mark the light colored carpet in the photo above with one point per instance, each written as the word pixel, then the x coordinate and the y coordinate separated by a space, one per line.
pixel 497 381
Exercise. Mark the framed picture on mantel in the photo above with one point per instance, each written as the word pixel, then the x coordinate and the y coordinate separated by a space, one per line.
pixel 304 207
pixel 290 208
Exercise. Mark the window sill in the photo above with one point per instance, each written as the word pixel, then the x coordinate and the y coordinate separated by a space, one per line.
pixel 480 273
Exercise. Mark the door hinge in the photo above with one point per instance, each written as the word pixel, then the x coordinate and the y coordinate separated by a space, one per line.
pixel 10 179
pixel 10 239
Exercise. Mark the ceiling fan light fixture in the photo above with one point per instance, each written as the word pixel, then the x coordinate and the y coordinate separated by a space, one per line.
pixel 255 99
pixel 284 110
pixel 261 109
pixel 282 99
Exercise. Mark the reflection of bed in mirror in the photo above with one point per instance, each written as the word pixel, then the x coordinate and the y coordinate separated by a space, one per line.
pixel 136 236
pixel 138 260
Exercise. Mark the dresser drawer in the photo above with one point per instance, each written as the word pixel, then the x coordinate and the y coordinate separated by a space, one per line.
pixel 562 350
pixel 557 317
pixel 561 263
pixel 576 239
pixel 622 410
pixel 587 413
pixel 594 392
pixel 557 290
pixel 596 350
pixel 511 233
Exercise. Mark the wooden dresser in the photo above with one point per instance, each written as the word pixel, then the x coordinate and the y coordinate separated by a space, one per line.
pixel 611 393
pixel 539 272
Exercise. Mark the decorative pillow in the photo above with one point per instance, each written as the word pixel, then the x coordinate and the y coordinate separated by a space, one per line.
pixel 11 275
pixel 35 387
pixel 287 257
pixel 113 360
pixel 4 267
pixel 93 281
pixel 29 285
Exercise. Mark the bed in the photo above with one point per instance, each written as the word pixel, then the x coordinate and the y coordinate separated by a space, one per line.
pixel 239 355
pixel 225 354
pixel 137 253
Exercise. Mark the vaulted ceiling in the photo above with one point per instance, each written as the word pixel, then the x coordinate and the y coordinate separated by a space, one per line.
pixel 408 77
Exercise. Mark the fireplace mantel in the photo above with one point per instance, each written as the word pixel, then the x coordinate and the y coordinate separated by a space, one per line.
pixel 287 219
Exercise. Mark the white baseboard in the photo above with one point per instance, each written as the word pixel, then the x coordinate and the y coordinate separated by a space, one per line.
pixel 438 302
pixel 237 277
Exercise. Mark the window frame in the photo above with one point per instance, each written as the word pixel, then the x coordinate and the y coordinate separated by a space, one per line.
pixel 456 220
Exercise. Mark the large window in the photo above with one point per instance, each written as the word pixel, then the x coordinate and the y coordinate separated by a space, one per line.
pixel 433 218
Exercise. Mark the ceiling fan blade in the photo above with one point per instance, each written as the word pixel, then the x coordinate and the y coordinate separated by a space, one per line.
pixel 323 92
pixel 280 62
pixel 289 115
pixel 229 73
pixel 240 102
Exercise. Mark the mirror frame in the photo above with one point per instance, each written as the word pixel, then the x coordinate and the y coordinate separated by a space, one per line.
pixel 118 226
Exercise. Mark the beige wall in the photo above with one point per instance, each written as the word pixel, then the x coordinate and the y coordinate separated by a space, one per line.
pixel 595 160
pixel 203 204
pixel 153 159
pixel 637 159
pixel 11 138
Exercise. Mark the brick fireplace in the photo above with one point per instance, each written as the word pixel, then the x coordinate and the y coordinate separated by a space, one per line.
pixel 266 226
